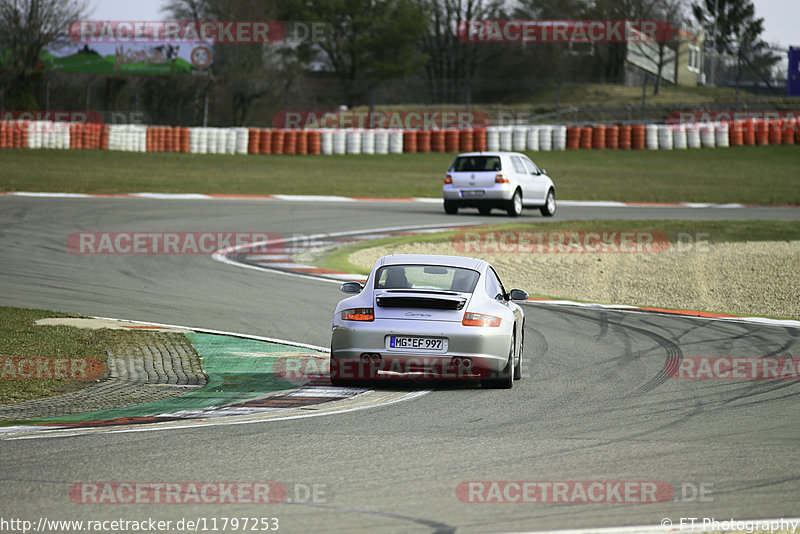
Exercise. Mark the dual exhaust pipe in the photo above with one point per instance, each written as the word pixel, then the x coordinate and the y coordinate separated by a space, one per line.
pixel 466 363
pixel 372 357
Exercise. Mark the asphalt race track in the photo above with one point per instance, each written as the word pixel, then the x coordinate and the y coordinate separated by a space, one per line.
pixel 597 404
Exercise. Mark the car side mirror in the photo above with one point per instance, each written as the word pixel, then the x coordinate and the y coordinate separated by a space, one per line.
pixel 517 294
pixel 351 287
pixel 542 171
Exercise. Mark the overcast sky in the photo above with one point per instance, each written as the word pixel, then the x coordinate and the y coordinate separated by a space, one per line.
pixel 781 17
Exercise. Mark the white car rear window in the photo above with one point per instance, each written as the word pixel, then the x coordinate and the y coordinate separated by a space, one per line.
pixel 476 164
pixel 437 277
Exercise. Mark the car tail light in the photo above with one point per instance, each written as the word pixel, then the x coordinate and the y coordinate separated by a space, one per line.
pixel 358 314
pixel 501 179
pixel 480 319
pixel 448 179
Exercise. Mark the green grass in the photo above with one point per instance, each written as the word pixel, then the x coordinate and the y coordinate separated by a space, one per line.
pixel 757 175
pixel 678 96
pixel 602 97
pixel 740 174
pixel 20 337
pixel 679 232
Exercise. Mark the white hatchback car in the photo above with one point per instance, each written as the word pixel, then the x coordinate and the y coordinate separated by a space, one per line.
pixel 505 180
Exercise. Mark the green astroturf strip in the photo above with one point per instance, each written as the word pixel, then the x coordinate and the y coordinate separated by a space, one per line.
pixel 238 370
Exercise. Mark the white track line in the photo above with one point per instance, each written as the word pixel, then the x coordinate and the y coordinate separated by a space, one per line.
pixel 410 396
pixel 172 196
pixel 224 333
pixel 637 309
pixel 671 528
pixel 314 198
pixel 221 256
pixel 336 198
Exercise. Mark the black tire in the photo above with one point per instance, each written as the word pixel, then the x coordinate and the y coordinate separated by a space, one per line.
pixel 549 208
pixel 514 207
pixel 505 378
pixel 341 382
pixel 450 208
pixel 337 380
pixel 485 210
pixel 347 383
pixel 518 366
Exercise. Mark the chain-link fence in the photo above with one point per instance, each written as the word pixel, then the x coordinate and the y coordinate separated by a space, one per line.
pixel 764 72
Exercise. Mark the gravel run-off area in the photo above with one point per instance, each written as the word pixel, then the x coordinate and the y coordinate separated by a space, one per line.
pixel 744 278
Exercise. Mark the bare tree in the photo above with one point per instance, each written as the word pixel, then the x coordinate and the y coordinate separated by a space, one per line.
pixel 613 55
pixel 246 72
pixel 674 13
pixel 672 16
pixel 451 61
pixel 27 27
pixel 556 59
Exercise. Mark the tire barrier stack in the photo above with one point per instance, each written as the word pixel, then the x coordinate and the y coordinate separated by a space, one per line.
pixel 46 134
pixel 167 139
pixel 128 138
pixel 88 136
pixel 256 141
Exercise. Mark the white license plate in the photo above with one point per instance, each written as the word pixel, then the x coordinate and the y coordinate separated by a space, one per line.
pixel 473 193
pixel 429 344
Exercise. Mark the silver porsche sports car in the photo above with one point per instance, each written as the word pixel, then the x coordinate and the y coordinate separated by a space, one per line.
pixel 430 317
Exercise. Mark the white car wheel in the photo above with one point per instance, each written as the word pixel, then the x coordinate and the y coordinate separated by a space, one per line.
pixel 515 204
pixel 549 207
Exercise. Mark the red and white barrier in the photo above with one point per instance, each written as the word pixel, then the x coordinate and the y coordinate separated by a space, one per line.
pixel 259 141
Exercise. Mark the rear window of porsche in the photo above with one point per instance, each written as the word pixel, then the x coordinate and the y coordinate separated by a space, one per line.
pixel 427 277
pixel 476 164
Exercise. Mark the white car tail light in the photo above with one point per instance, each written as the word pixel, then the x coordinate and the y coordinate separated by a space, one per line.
pixel 480 319
pixel 358 314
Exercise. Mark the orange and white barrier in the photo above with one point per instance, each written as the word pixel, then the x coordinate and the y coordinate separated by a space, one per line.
pixel 261 141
